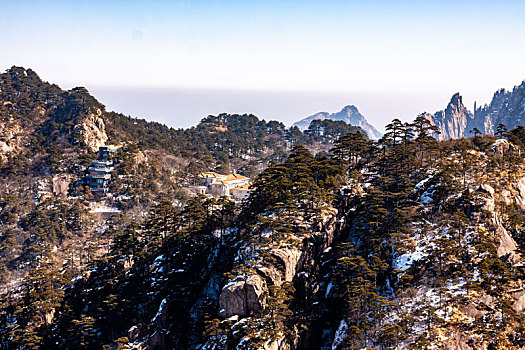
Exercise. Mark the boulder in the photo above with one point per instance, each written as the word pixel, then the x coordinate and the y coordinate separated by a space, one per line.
pixel 519 304
pixel 506 197
pixel 507 246
pixel 503 146
pixel 520 197
pixel 161 318
pixel 290 258
pixel 242 297
pixel 487 189
pixel 60 185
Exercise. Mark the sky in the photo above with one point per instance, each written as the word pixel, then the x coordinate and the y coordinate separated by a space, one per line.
pixel 178 61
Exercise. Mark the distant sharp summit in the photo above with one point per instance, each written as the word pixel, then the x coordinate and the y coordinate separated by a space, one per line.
pixel 506 107
pixel 348 114
pixel 452 122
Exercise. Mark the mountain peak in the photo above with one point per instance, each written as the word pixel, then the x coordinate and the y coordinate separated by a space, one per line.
pixel 22 73
pixel 456 100
pixel 351 108
pixel 452 121
pixel 349 114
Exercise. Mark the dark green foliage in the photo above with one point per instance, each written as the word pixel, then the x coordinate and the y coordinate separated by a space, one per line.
pixel 328 131
pixel 301 184
pixel 88 282
pixel 352 149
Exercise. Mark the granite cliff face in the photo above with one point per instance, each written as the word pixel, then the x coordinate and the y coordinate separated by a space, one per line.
pixel 456 121
pixel 452 121
pixel 245 295
pixel 349 114
pixel 91 133
pixel 506 107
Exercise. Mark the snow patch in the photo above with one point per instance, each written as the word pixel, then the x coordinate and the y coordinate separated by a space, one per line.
pixel 159 312
pixel 404 261
pixel 328 289
pixel 340 334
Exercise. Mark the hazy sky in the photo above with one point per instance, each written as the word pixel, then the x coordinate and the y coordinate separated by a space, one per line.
pixel 177 61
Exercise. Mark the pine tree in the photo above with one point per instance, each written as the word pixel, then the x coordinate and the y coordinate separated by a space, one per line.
pixel 502 131
pixel 162 221
pixel 424 130
pixel 127 242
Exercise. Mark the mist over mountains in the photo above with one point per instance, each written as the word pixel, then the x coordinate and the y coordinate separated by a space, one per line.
pixel 455 121
pixel 121 233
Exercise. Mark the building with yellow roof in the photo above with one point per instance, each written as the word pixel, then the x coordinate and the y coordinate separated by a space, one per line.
pixel 241 192
pixel 219 184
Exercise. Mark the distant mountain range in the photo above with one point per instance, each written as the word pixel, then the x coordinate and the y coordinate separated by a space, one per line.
pixel 348 114
pixel 506 107
pixel 455 121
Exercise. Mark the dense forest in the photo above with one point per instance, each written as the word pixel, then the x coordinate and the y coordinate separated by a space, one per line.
pixel 344 243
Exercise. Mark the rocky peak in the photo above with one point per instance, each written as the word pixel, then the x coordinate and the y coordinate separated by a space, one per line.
pixel 350 109
pixel 506 107
pixel 456 101
pixel 349 114
pixel 452 121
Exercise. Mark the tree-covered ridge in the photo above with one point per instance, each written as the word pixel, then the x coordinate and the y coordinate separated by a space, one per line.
pixel 406 242
pixel 24 91
pixel 43 121
pixel 425 246
pixel 45 229
pixel 383 202
pixel 421 244
pixel 168 255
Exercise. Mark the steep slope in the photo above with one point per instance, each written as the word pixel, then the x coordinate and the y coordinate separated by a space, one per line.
pixel 348 114
pixel 59 245
pixel 456 121
pixel 506 107
pixel 407 243
pixel 451 122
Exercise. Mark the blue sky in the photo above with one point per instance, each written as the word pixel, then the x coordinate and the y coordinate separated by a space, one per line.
pixel 389 58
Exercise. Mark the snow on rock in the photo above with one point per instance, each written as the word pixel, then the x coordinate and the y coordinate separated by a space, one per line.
pixel 242 296
pixel 158 260
pixel 340 335
pixel 105 210
pixel 404 261
pixel 161 317
pixel 328 289
pixel 426 197
pixel 422 183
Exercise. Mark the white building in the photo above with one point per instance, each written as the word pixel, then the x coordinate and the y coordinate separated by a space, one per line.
pixel 219 184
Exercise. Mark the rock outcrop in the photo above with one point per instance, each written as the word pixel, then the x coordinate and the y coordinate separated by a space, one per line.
pixel 456 121
pixel 452 121
pixel 91 133
pixel 10 139
pixel 506 246
pixel 295 260
pixel 506 107
pixel 242 297
pixel 61 185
